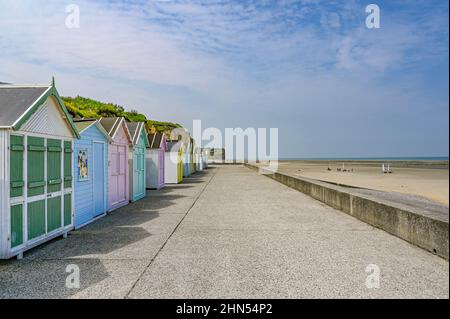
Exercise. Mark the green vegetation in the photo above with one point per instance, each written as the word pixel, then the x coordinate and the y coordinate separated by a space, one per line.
pixel 162 126
pixel 81 107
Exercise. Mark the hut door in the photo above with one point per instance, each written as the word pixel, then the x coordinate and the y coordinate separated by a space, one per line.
pixel 54 185
pixel 139 176
pixel 117 174
pixel 99 179
pixel 122 173
pixel 161 168
pixel 36 187
pixel 68 152
pixel 113 175
pixel 16 188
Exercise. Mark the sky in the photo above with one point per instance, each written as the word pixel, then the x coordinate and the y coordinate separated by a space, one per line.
pixel 312 69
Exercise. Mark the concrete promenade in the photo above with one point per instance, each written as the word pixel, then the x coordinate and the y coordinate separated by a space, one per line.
pixel 227 232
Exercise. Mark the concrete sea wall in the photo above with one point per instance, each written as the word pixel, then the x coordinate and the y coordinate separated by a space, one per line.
pixel 427 232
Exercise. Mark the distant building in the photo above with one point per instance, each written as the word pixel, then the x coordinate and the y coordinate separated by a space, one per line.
pixel 216 155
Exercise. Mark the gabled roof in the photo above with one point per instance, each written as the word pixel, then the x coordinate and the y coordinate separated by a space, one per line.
pixel 83 124
pixel 112 124
pixel 19 102
pixel 136 129
pixel 156 140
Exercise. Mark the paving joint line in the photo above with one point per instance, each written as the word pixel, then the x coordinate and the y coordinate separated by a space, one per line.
pixel 170 236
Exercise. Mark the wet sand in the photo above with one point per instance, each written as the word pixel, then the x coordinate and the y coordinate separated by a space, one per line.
pixel 423 178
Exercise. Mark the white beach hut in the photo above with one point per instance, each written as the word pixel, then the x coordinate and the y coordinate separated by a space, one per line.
pixel 155 160
pixel 173 163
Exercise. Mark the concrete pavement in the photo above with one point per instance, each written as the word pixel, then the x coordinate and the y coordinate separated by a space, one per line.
pixel 227 233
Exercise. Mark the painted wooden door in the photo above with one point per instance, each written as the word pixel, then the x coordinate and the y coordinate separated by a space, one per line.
pixel 44 209
pixel 16 188
pixel 35 167
pixel 161 168
pixel 54 185
pixel 68 178
pixel 36 186
pixel 113 174
pixel 16 168
pixel 117 174
pixel 138 172
pixel 54 178
pixel 99 179
pixel 122 173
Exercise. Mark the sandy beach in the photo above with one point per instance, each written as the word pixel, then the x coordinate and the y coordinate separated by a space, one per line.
pixel 423 178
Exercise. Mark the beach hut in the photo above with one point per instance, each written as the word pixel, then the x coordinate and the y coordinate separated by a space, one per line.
pixel 193 167
pixel 173 163
pixel 137 157
pixel 155 160
pixel 36 197
pixel 90 160
pixel 205 153
pixel 186 157
pixel 182 135
pixel 198 159
pixel 118 149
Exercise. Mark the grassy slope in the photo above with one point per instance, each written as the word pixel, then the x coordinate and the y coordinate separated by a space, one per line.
pixel 81 107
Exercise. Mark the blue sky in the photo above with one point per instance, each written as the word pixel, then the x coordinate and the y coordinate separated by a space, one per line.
pixel 312 69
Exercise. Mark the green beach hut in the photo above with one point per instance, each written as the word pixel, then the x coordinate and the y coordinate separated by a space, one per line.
pixel 36 138
pixel 137 164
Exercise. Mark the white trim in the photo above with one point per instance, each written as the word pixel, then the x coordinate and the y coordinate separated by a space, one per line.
pixel 62 182
pixel 126 129
pixel 112 127
pixel 46 184
pixel 17 200
pixel 25 191
pixel 31 106
pixel 153 139
pixel 4 193
pixel 136 133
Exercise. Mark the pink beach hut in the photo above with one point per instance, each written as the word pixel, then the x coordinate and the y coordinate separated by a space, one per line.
pixel 118 179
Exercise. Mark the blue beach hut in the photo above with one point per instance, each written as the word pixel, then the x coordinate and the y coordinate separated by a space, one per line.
pixel 90 171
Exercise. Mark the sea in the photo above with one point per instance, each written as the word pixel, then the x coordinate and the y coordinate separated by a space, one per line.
pixel 417 158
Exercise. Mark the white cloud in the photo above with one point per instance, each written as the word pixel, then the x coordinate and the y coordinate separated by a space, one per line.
pixel 222 61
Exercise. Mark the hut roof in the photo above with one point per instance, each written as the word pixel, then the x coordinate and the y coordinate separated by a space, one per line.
pixel 156 140
pixel 15 100
pixel 135 129
pixel 19 102
pixel 82 124
pixel 112 124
